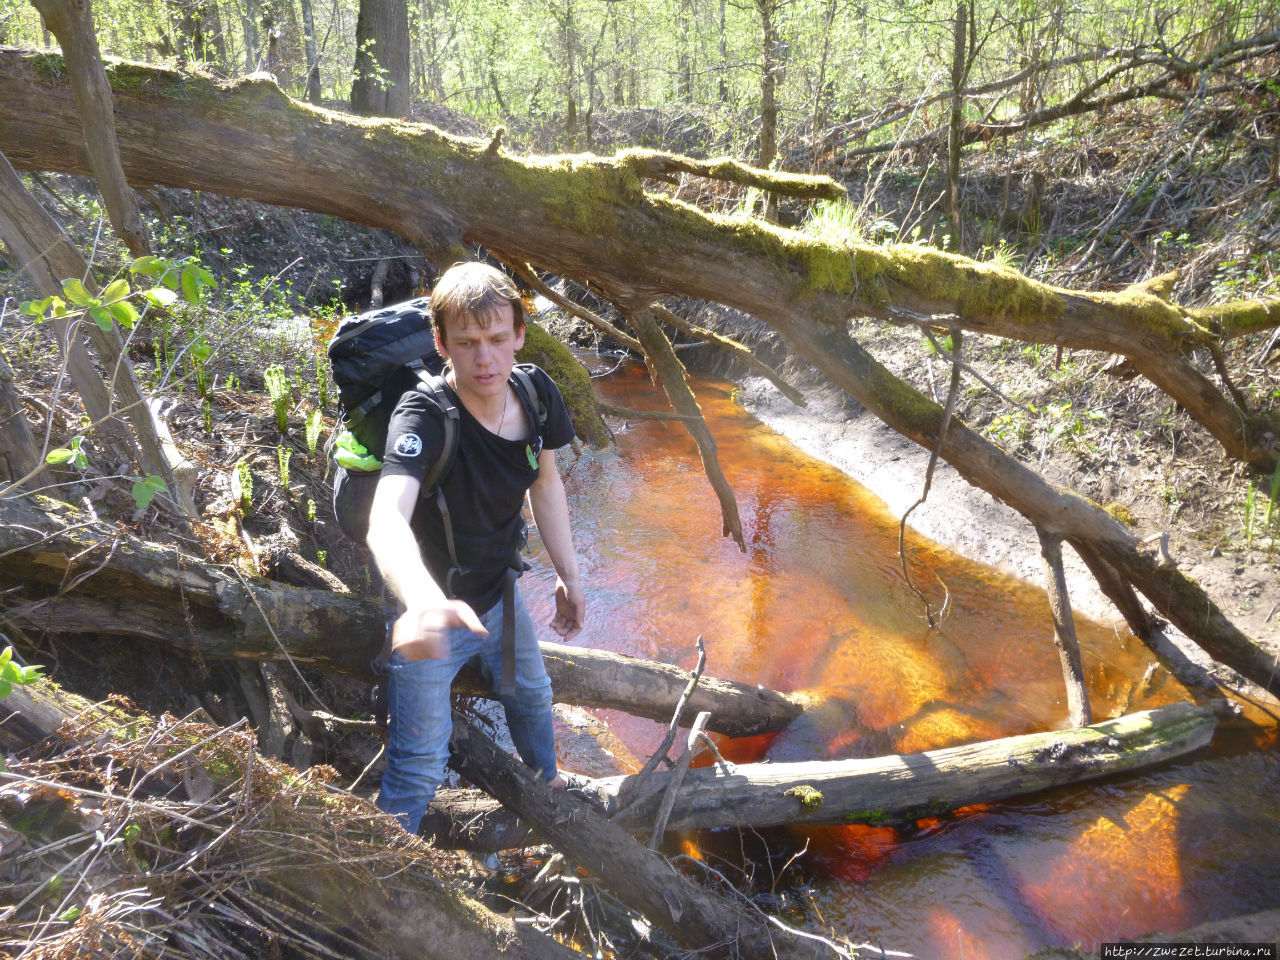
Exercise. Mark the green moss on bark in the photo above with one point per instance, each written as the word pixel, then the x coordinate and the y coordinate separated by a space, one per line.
pixel 571 377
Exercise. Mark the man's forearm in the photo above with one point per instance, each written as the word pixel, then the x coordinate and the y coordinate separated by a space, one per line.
pixel 551 514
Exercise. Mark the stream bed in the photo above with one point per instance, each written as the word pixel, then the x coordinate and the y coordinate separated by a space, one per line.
pixel 818 603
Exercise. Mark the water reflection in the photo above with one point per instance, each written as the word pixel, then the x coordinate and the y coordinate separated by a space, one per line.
pixel 817 604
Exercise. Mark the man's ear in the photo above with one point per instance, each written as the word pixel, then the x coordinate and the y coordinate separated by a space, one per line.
pixel 520 336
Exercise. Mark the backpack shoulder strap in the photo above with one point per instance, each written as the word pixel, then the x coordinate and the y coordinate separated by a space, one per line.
pixel 432 386
pixel 528 391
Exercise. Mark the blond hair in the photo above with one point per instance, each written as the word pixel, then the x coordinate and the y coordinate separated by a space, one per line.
pixel 473 291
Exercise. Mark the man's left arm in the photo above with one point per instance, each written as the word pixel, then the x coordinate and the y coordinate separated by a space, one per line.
pixel 551 514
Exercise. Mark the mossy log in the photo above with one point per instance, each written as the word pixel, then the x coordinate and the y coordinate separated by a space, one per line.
pixel 590 218
pixel 898 788
pixel 66 573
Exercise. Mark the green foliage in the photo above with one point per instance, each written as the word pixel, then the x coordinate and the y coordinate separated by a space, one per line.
pixel 278 387
pixel 13 674
pixel 1262 510
pixel 283 455
pixel 242 487
pixel 314 424
pixel 71 453
pixel 144 491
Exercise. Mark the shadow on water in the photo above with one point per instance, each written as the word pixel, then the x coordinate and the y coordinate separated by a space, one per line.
pixel 817 604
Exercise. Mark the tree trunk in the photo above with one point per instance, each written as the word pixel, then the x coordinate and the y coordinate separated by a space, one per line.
pixel 700 920
pixel 19 454
pixel 155 593
pixel 898 788
pixel 769 67
pixel 440 193
pixel 309 46
pixel 72 23
pixel 959 69
pixel 381 84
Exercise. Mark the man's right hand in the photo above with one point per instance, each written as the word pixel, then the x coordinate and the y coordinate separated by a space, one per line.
pixel 420 634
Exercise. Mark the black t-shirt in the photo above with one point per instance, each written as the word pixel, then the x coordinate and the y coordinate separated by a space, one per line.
pixel 484 489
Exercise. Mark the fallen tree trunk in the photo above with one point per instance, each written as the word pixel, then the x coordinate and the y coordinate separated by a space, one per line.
pixel 442 192
pixel 248 139
pixel 69 574
pixel 878 790
pixel 700 920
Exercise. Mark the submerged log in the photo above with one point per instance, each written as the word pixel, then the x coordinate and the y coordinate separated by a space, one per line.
pixel 70 574
pixel 879 790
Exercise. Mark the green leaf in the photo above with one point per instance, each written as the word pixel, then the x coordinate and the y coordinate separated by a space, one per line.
pixel 5 656
pixel 70 914
pixel 132 832
pixel 70 452
pixel 6 688
pixel 102 317
pixel 11 672
pixel 190 289
pixel 59 308
pixel 201 351
pixel 116 290
pixel 32 673
pixel 34 308
pixel 148 266
pixel 144 491
pixel 77 293
pixel 159 296
pixel 125 313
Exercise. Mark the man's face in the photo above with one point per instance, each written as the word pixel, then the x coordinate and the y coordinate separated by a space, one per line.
pixel 482 357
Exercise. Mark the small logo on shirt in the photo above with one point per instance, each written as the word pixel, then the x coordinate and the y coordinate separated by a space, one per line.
pixel 409 445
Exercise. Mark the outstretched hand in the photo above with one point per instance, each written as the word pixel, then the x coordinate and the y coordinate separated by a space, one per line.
pixel 420 634
pixel 571 610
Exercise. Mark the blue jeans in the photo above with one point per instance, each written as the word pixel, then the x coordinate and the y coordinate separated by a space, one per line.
pixel 420 719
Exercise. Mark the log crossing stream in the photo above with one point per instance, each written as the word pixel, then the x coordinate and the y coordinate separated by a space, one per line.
pixel 818 604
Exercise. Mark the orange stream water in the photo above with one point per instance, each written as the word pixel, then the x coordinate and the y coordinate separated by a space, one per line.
pixel 818 603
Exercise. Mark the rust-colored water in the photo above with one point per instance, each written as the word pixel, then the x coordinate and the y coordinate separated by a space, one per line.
pixel 818 603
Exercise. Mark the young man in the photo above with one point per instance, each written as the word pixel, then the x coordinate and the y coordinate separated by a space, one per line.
pixel 452 614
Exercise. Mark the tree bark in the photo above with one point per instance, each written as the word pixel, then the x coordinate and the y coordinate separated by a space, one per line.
pixel 72 23
pixel 381 84
pixel 440 192
pixel 309 46
pixel 155 593
pixel 18 452
pixel 641 878
pixel 669 372
pixel 1064 631
pixel 898 788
